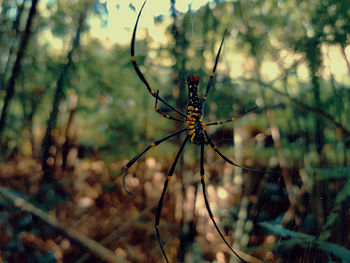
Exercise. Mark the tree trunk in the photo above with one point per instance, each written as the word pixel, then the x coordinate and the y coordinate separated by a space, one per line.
pixel 179 93
pixel 68 142
pixel 319 126
pixel 10 90
pixel 16 31
pixel 48 153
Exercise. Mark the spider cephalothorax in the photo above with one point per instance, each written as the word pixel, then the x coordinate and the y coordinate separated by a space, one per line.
pixel 196 133
pixel 194 112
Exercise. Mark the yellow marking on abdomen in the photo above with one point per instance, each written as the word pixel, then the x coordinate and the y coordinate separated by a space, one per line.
pixel 189 122
pixel 193 137
pixel 132 59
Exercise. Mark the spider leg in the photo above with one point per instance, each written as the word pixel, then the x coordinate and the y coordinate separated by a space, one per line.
pixel 233 119
pixel 154 144
pixel 208 207
pixel 138 71
pixel 160 204
pixel 212 74
pixel 163 114
pixel 234 164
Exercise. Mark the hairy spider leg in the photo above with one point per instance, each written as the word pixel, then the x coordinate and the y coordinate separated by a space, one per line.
pixel 234 164
pixel 207 203
pixel 212 74
pixel 233 119
pixel 154 144
pixel 163 114
pixel 138 71
pixel 160 204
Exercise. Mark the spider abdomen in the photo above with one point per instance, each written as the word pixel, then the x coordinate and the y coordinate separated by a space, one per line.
pixel 197 133
pixel 195 125
pixel 194 111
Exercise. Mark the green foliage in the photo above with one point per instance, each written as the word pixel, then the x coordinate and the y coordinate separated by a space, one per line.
pixel 298 238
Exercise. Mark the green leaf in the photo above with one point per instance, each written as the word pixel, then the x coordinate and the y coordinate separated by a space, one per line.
pixel 345 193
pixel 331 173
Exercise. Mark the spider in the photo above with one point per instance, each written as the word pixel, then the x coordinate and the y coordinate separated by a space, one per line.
pixel 196 134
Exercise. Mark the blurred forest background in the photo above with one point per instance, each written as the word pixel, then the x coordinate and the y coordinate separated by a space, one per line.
pixel 74 112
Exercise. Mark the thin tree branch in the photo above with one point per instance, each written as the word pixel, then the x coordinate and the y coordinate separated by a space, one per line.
pixel 117 233
pixel 329 117
pixel 71 233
